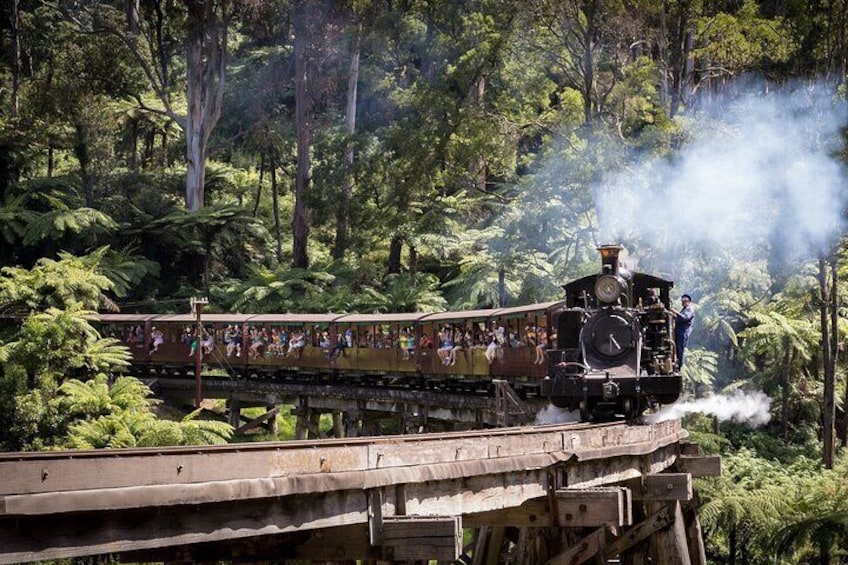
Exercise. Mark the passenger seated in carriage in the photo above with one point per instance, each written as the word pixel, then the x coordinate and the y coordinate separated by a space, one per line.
pixel 339 348
pixel 298 342
pixel 208 341
pixel 493 349
pixel 232 337
pixel 542 334
pixel 257 342
pixel 157 339
pixel 447 344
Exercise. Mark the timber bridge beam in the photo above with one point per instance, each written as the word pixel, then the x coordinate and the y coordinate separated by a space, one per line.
pixel 555 494
pixel 356 410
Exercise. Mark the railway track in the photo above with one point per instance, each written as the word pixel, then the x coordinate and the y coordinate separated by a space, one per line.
pixel 293 445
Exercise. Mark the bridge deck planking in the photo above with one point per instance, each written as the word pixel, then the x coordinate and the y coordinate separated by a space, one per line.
pixel 449 474
pixel 80 470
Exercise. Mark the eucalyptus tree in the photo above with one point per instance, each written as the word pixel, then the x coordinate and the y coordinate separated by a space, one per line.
pixel 726 42
pixel 155 36
pixel 577 37
pixel 474 100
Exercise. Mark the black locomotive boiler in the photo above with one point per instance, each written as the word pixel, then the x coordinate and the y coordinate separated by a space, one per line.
pixel 614 353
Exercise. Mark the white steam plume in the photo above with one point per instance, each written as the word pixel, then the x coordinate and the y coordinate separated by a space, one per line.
pixel 552 415
pixel 746 408
pixel 766 174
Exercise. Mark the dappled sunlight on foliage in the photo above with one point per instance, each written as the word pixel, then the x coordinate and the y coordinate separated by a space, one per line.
pixel 121 415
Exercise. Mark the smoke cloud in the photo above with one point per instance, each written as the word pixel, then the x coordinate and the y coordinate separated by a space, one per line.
pixel 746 408
pixel 552 415
pixel 766 173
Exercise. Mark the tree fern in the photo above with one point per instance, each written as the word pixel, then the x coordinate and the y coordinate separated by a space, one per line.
pixel 121 416
pixel 56 224
pixel 403 293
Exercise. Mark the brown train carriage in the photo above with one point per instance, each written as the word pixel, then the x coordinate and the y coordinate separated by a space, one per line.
pixel 518 361
pixel 312 357
pixel 470 361
pixel 375 344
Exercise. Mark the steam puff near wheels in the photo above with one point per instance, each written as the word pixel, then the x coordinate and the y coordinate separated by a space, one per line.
pixel 742 407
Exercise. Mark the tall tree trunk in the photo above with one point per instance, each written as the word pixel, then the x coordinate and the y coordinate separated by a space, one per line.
pixel 131 9
pixel 82 154
pixel 303 110
pixel 784 401
pixel 834 334
pixel 395 248
pixel 732 546
pixel 589 37
pixel 276 205
pixel 680 65
pixel 343 217
pixel 477 168
pixel 132 162
pixel 206 58
pixel 501 287
pixel 259 187
pixel 15 30
pixel 827 361
pixel 162 51
pixel 413 259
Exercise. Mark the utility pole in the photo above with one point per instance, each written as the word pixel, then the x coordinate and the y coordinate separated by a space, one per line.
pixel 197 306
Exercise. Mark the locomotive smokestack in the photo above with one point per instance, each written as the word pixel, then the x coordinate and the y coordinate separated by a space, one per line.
pixel 609 259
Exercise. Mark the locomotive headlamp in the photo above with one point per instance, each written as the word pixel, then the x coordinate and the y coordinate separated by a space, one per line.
pixel 608 288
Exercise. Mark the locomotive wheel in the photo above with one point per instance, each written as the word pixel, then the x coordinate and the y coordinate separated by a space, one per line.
pixel 633 407
pixel 585 412
pixel 559 401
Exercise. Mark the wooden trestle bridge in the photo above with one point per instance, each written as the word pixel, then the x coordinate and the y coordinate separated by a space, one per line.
pixel 560 494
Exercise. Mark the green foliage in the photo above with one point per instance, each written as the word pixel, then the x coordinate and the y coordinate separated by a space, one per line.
pixel 283 290
pixel 53 284
pixel 743 40
pixel 699 371
pixel 483 134
pixel 54 225
pixel 124 270
pixel 816 524
pixel 121 415
pixel 54 342
pixel 402 293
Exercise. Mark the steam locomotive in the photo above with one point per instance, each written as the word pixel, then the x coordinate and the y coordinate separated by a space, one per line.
pixel 605 350
pixel 615 351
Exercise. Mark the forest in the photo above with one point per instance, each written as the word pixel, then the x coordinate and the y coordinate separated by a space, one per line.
pixel 421 155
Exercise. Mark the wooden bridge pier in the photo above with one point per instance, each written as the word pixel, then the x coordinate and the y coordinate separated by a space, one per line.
pixel 651 519
pixel 237 420
pixel 662 537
